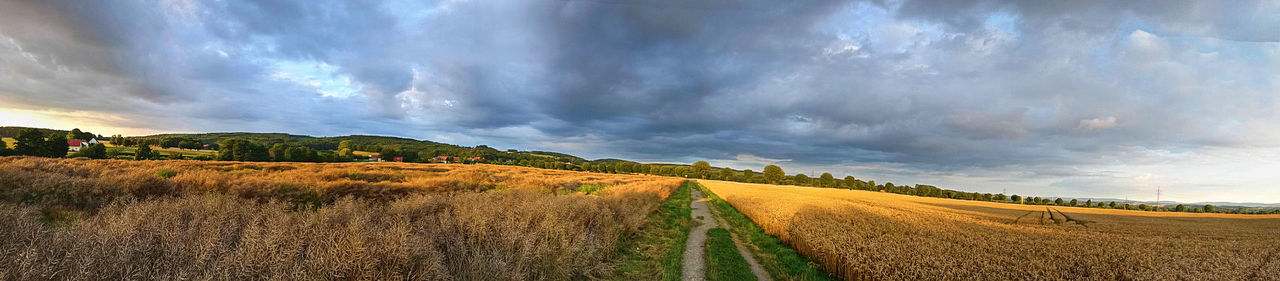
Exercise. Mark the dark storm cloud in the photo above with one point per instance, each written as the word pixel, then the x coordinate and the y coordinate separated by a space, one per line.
pixel 930 88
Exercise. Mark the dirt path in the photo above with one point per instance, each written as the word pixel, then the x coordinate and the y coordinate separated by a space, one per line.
pixel 756 269
pixel 695 263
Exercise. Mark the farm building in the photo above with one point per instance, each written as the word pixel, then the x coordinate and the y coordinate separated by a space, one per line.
pixel 75 145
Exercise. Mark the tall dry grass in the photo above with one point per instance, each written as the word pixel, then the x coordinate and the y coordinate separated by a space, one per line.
pixel 88 184
pixel 871 235
pixel 105 219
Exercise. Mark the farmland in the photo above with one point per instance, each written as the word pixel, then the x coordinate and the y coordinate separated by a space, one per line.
pixel 113 219
pixel 873 235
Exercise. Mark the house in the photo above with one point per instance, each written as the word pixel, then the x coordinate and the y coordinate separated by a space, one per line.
pixel 441 159
pixel 375 158
pixel 92 142
pixel 75 145
pixel 477 159
pixel 398 159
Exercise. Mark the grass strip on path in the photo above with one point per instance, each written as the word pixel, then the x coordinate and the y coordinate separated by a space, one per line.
pixel 723 260
pixel 779 259
pixel 655 252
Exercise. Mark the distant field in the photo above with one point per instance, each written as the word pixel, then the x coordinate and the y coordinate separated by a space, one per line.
pixel 77 219
pixel 184 152
pixel 873 235
pixel 10 142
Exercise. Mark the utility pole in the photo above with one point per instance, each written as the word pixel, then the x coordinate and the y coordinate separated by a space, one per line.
pixel 1158 197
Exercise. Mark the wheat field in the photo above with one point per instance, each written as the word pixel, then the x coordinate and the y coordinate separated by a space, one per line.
pixel 861 235
pixel 76 219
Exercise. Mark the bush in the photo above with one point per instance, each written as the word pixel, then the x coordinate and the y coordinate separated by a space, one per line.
pixel 166 173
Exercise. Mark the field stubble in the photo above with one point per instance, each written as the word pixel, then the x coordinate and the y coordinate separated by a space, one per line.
pixel 872 235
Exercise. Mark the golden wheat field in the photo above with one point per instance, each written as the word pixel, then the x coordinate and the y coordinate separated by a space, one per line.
pixel 880 236
pixel 76 219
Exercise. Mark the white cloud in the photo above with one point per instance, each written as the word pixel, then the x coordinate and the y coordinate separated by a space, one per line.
pixel 1097 124
pixel 752 159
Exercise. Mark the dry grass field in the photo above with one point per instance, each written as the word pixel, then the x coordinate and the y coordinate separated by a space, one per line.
pixel 75 219
pixel 871 235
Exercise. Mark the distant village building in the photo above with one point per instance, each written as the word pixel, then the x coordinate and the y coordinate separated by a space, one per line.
pixel 440 159
pixel 375 158
pixel 477 159
pixel 398 159
pixel 75 145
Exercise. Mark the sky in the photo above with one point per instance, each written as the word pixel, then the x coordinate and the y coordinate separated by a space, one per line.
pixel 1045 98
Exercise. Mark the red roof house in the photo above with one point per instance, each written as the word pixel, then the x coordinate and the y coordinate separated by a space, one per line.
pixel 75 145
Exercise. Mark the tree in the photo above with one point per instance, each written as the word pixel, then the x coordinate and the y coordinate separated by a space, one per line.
pixel 346 144
pixel 277 152
pixel 95 151
pixel 801 179
pixel 142 153
pixel 1112 204
pixel 388 153
pixel 189 144
pixel 237 149
pixel 1074 202
pixel 300 154
pixel 850 182
pixel 1088 203
pixel 1058 201
pixel 826 180
pixel 425 155
pixel 30 143
pixel 55 146
pixel 747 175
pixel 700 169
pixel 1144 207
pixel 1210 209
pixel 726 174
pixel 1015 198
pixel 4 148
pixel 74 134
pixel 1179 208
pixel 773 174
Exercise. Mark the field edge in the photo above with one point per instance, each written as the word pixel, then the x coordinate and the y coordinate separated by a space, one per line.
pixel 656 252
pixel 781 260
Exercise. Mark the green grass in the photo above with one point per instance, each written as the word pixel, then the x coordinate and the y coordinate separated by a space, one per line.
pixel 723 260
pixel 656 252
pixel 166 173
pixel 779 259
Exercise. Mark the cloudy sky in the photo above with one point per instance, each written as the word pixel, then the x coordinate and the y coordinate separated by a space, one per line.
pixel 1056 98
